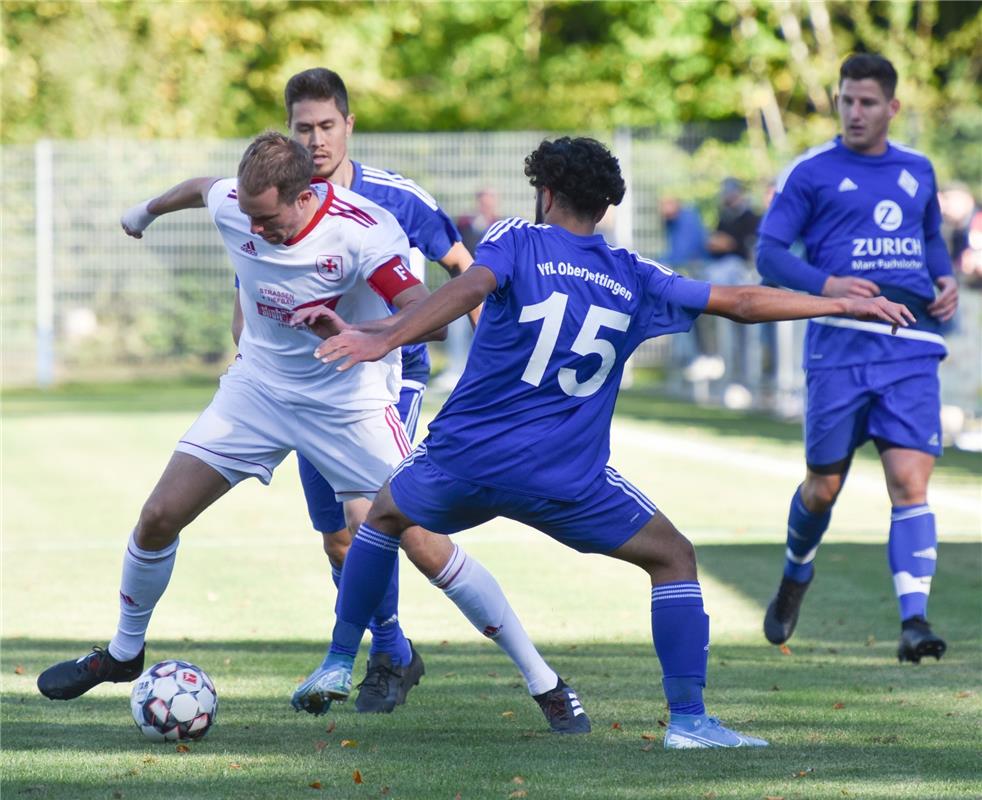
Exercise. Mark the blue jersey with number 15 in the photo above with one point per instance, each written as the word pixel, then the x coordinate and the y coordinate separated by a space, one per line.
pixel 532 412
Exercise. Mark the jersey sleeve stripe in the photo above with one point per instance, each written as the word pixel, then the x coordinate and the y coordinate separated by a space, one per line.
pixel 398 182
pixel 502 228
pixel 806 156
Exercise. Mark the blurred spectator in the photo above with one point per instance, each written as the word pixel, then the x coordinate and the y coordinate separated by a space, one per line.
pixel 731 245
pixel 684 234
pixel 962 231
pixel 472 228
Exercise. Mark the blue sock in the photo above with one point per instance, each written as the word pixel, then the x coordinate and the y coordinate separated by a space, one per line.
pixel 680 630
pixel 366 576
pixel 913 555
pixel 387 635
pixel 805 531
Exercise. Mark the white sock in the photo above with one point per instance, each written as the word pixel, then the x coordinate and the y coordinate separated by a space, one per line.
pixel 479 597
pixel 146 574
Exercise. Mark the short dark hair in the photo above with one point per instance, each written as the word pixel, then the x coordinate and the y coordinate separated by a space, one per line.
pixel 274 160
pixel 316 84
pixel 582 174
pixel 860 66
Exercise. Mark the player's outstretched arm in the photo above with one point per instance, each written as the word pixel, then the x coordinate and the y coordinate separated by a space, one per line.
pixel 191 193
pixel 454 299
pixel 763 304
pixel 456 262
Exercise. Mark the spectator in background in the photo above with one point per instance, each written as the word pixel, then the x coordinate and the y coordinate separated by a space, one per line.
pixel 731 245
pixel 685 235
pixel 685 239
pixel 472 228
pixel 962 231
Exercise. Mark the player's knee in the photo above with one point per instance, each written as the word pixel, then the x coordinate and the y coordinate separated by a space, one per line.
pixel 158 526
pixel 336 546
pixel 819 492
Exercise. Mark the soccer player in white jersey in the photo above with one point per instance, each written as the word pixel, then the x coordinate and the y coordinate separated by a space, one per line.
pixel 318 116
pixel 867 212
pixel 294 244
pixel 526 432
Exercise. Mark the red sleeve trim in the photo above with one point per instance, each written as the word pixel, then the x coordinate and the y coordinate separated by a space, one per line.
pixel 392 278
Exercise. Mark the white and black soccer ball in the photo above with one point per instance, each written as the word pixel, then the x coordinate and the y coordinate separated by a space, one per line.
pixel 174 701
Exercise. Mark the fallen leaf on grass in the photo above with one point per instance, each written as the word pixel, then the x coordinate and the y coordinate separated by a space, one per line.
pixel 233 765
pixel 773 797
pixel 356 776
pixel 662 723
pixel 518 779
pixel 319 745
pixel 349 742
pixel 150 760
pixel 615 726
pixel 518 793
pixel 227 662
pixel 18 670
pixel 508 713
pixel 449 674
pixel 385 791
pixel 183 748
pixel 457 796
pixel 315 785
pixel 492 674
pixel 330 727
pixel 961 695
pixel 870 640
pixel 785 650
pixel 802 772
pixel 649 737
pixel 710 796
pixel 647 747
pixel 838 706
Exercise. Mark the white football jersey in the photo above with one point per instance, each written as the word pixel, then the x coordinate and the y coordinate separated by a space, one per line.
pixel 329 262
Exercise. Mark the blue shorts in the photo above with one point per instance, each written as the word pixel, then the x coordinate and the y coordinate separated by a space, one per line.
pixel 326 513
pixel 610 514
pixel 896 402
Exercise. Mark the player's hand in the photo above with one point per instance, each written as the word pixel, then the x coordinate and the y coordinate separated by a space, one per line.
pixel 321 320
pixel 880 309
pixel 354 347
pixel 849 287
pixel 946 303
pixel 137 219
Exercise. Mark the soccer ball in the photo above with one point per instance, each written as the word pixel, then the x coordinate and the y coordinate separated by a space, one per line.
pixel 174 701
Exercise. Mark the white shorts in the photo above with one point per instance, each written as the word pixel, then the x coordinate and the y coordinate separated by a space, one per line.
pixel 247 431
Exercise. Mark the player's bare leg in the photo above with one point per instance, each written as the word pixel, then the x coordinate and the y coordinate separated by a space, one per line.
pixel 912 548
pixel 680 631
pixel 185 489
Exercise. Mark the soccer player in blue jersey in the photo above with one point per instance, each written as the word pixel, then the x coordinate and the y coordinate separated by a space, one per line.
pixel 319 118
pixel 866 210
pixel 526 432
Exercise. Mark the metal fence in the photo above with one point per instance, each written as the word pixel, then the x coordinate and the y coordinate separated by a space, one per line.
pixel 80 300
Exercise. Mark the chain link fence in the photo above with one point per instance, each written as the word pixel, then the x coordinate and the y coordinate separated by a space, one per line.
pixel 82 301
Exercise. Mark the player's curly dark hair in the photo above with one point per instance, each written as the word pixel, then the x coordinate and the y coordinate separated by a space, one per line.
pixel 582 174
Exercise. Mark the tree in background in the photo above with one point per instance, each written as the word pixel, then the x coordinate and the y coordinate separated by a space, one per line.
pixel 762 71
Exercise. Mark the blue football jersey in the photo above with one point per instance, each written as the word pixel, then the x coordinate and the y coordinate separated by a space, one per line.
pixel 868 217
pixel 532 411
pixel 429 230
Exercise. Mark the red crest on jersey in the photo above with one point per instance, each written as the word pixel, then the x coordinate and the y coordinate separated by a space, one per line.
pixel 330 268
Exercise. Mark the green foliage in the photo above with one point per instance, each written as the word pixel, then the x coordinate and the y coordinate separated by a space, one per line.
pixel 170 70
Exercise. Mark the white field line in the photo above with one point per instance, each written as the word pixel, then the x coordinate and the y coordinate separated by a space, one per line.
pixel 626 435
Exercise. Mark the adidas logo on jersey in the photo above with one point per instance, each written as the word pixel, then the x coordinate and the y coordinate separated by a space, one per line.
pixel 934 441
pixel 847 185
pixel 248 248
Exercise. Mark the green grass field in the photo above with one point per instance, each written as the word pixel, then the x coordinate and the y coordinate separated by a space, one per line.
pixel 251 602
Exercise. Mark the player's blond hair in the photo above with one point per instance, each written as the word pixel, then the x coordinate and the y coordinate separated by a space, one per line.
pixel 274 160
